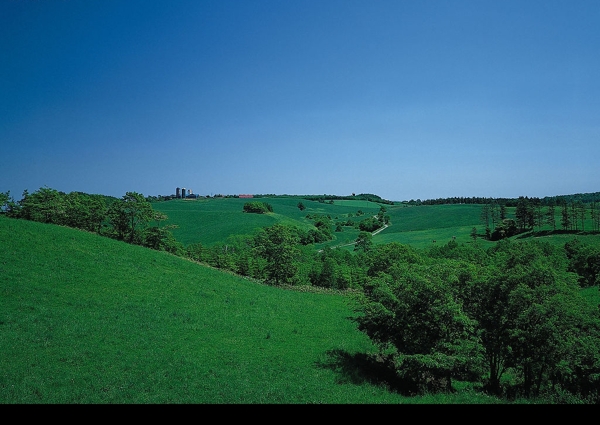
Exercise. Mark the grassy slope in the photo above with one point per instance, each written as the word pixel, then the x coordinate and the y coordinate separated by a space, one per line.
pixel 85 319
pixel 419 226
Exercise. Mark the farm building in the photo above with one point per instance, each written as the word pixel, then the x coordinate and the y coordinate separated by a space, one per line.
pixel 182 193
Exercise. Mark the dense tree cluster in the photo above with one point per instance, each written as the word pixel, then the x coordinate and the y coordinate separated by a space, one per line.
pixel 258 207
pixel 322 231
pixel 129 218
pixel 584 260
pixel 511 318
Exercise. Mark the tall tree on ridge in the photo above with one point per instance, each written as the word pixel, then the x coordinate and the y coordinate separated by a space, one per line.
pixel 129 214
pixel 550 215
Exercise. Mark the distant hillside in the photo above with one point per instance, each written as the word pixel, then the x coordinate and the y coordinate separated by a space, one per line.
pixel 361 197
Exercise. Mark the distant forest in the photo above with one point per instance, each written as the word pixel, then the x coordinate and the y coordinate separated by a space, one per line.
pixel 361 197
pixel 585 198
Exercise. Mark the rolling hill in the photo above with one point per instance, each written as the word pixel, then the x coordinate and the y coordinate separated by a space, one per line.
pixel 86 319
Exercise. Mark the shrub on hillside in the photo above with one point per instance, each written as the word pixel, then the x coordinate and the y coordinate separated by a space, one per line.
pixel 369 224
pixel 257 207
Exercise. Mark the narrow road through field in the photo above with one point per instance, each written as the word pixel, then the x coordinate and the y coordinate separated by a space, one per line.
pixel 385 226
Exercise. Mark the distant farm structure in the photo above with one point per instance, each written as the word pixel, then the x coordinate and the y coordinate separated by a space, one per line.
pixel 183 193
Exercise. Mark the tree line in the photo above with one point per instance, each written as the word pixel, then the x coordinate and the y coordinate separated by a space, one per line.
pixel 585 198
pixel 360 197
pixel 530 213
pixel 130 218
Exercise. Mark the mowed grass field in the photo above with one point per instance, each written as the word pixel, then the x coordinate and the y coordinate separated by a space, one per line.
pixel 86 319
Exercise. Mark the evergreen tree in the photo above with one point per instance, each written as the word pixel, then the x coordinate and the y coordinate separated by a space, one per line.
pixel 574 215
pixel 565 216
pixel 524 213
pixel 580 213
pixel 495 213
pixel 538 212
pixel 551 215
pixel 485 215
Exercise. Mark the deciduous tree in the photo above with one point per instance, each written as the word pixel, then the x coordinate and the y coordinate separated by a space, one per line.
pixel 417 320
pixel 278 246
pixel 129 215
pixel 364 242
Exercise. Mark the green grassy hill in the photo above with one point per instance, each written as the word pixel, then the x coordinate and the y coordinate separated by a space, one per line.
pixel 213 220
pixel 86 319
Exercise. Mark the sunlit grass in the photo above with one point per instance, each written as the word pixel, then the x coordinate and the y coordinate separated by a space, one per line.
pixel 86 319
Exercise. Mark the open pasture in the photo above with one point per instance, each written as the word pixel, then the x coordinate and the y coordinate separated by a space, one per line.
pixel 426 217
pixel 214 220
pixel 420 226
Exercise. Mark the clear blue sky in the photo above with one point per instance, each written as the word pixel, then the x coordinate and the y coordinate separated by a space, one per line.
pixel 406 99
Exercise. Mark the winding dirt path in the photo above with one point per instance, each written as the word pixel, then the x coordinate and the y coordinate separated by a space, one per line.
pixel 385 226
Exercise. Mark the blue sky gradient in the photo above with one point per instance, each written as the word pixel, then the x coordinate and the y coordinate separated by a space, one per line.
pixel 404 99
